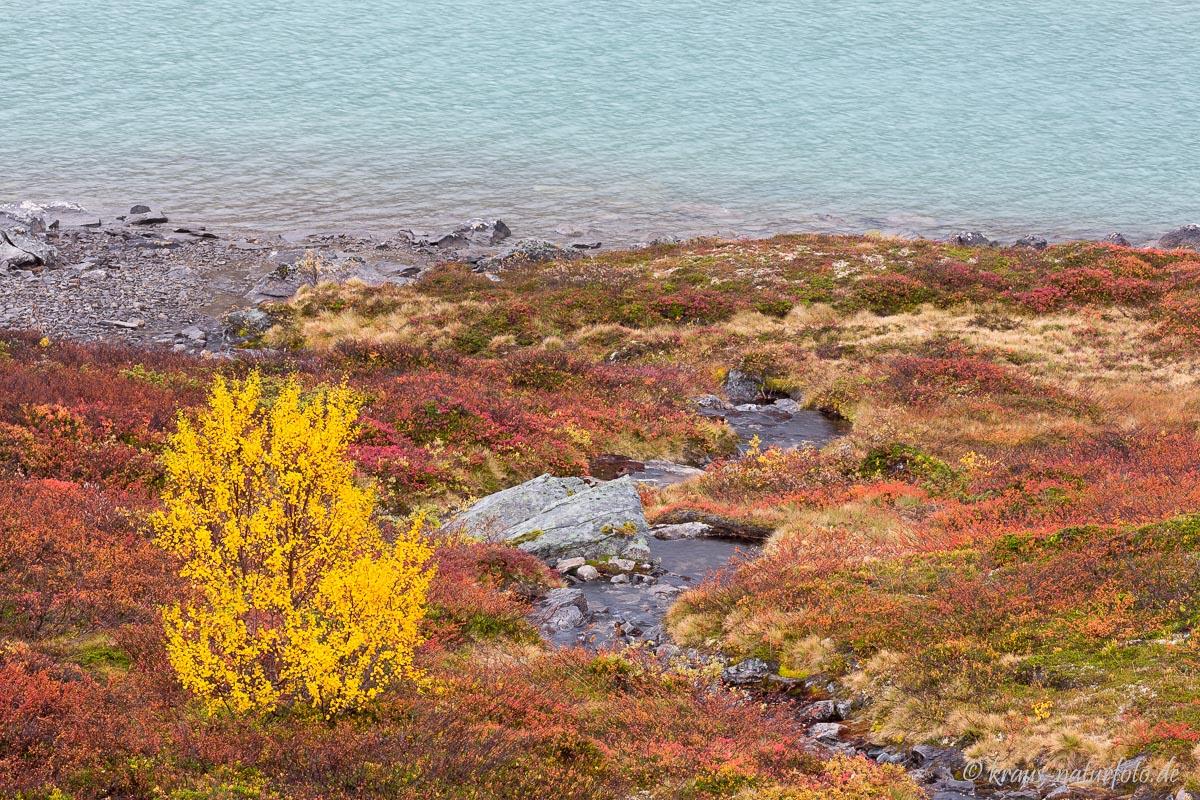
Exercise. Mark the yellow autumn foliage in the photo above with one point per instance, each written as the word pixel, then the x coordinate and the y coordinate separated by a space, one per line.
pixel 298 598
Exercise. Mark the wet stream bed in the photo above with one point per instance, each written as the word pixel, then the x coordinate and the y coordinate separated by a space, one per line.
pixel 630 608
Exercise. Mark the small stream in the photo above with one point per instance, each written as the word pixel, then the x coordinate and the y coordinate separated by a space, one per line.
pixel 782 423
pixel 632 611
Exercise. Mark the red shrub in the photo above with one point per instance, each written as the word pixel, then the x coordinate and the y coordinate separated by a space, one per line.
pixel 71 560
pixel 56 723
pixel 891 292
pixel 695 305
pixel 923 379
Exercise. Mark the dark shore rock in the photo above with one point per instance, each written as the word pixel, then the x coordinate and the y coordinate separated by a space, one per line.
pixel 1186 237
pixel 1031 242
pixel 142 215
pixel 661 240
pixel 524 252
pixel 473 233
pixel 1117 239
pixel 970 239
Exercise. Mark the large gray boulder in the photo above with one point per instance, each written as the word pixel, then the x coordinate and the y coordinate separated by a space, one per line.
pixel 1188 236
pixel 602 521
pixel 495 514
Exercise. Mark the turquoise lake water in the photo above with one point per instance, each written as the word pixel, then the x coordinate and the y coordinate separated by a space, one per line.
pixel 620 117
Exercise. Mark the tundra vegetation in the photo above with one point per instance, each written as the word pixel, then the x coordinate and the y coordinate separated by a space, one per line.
pixel 1000 554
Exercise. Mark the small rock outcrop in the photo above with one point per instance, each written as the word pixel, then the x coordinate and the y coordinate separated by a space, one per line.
pixel 296 269
pixel 1117 239
pixel 969 239
pixel 1186 237
pixel 562 609
pixel 750 672
pixel 1031 243
pixel 244 327
pixel 523 252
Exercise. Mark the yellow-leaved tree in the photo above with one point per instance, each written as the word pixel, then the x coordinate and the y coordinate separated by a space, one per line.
pixel 298 597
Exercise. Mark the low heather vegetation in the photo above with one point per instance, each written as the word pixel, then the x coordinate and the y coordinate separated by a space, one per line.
pixel 999 555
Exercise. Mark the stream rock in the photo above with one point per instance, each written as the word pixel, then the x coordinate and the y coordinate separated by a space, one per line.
pixel 561 609
pixel 718 526
pixel 683 530
pixel 927 755
pixel 742 388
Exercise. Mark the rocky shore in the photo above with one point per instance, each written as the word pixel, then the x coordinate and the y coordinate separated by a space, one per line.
pixel 146 278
